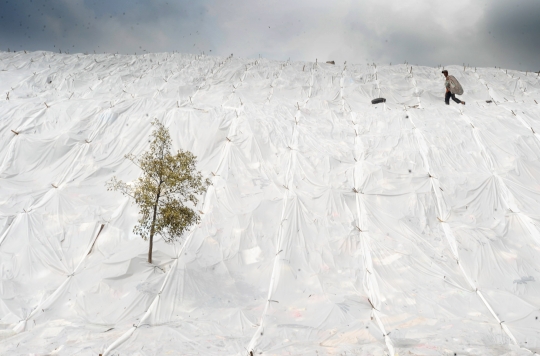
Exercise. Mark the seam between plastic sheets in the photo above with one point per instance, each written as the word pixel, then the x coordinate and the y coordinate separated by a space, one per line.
pixel 271 94
pixel 368 268
pixel 166 81
pixel 507 197
pixel 433 186
pixel 342 89
pixel 81 148
pixel 413 81
pixel 260 330
pixel 444 215
pixel 364 237
pixel 448 232
pixel 516 114
pixel 257 334
pixel 22 324
pixel 220 66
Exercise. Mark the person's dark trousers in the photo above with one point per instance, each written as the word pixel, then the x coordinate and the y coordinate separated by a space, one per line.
pixel 450 95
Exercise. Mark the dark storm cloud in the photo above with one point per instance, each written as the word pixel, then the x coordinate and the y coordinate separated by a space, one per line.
pixel 479 32
pixel 24 22
pixel 78 26
pixel 512 31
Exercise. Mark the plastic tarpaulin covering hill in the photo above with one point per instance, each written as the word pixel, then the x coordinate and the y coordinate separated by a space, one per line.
pixel 332 226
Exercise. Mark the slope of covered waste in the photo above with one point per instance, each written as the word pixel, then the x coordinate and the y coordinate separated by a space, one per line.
pixel 332 226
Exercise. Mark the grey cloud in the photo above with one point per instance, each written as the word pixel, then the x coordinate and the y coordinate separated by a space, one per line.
pixel 511 31
pixel 479 32
pixel 421 32
pixel 78 26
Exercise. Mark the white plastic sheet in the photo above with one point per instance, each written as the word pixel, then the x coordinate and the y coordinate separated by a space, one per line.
pixel 332 226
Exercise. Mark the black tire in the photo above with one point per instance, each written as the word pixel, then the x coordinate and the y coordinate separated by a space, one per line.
pixel 378 100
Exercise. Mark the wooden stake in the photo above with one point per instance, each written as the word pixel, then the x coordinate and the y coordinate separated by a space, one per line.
pixel 99 232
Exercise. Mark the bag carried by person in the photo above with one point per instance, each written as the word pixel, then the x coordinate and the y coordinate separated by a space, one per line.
pixel 455 87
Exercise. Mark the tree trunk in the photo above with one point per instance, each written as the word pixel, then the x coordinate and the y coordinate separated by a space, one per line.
pixel 153 224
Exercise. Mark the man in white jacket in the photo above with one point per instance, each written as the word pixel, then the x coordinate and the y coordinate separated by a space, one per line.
pixel 452 88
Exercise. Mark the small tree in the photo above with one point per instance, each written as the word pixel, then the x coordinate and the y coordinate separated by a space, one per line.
pixel 167 183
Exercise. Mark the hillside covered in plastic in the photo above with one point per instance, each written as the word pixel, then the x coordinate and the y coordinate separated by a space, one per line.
pixel 332 226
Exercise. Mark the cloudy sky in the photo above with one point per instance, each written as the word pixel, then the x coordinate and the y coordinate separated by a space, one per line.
pixel 503 33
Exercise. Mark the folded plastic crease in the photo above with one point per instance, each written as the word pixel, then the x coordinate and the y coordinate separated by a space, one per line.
pixel 332 226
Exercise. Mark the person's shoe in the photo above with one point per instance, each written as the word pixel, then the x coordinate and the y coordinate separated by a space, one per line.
pixel 463 102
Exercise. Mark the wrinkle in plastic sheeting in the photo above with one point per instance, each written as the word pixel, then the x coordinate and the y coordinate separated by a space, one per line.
pixel 332 226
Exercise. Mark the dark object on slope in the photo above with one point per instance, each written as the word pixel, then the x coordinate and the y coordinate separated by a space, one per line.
pixel 330 62
pixel 488 101
pixel 378 100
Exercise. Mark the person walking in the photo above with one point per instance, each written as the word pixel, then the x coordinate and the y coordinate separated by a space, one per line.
pixel 452 88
